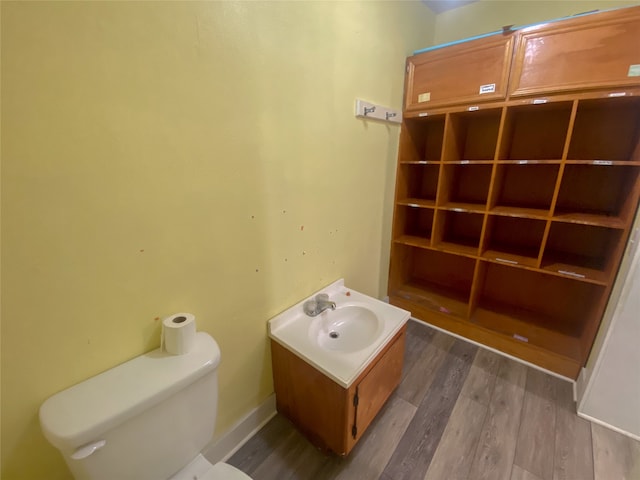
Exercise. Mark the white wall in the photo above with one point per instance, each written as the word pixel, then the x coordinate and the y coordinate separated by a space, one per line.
pixel 609 389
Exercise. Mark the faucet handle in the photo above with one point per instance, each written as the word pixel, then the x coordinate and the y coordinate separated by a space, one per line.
pixel 310 307
pixel 322 297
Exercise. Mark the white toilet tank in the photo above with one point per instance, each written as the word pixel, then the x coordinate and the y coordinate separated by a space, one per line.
pixel 142 420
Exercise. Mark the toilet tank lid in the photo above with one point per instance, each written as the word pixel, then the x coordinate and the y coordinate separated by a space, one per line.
pixel 84 412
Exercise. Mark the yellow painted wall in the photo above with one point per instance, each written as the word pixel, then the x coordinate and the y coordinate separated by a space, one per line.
pixel 204 157
pixel 491 15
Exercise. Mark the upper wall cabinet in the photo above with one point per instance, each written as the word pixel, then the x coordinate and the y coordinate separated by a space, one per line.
pixel 468 72
pixel 592 51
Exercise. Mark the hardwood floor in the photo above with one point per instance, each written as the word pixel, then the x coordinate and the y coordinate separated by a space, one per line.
pixel 460 413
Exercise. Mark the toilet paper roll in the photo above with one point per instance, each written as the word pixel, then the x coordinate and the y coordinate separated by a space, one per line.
pixel 178 333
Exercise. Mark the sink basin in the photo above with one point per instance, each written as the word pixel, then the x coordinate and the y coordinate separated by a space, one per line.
pixel 341 342
pixel 348 328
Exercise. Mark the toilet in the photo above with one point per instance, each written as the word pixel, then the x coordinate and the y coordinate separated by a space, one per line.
pixel 147 419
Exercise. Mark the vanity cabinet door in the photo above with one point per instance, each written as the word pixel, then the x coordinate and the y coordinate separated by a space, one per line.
pixel 325 411
pixel 312 401
pixel 593 51
pixel 375 387
pixel 473 71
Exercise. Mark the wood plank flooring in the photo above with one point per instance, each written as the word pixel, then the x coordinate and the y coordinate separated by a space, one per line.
pixel 460 413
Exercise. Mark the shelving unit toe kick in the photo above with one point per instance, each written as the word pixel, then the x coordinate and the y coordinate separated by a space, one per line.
pixel 559 364
pixel 534 329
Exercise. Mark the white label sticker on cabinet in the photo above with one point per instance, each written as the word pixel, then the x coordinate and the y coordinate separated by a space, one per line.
pixel 521 338
pixel 488 88
pixel 424 97
pixel 634 70
pixel 572 274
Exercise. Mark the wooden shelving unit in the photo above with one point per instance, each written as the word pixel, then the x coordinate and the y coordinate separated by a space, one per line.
pixel 510 222
pixel 518 181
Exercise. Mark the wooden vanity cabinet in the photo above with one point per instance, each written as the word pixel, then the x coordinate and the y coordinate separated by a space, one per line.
pixel 475 71
pixel 585 52
pixel 333 417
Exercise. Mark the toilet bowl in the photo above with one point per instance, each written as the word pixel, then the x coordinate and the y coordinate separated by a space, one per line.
pixel 147 419
pixel 201 469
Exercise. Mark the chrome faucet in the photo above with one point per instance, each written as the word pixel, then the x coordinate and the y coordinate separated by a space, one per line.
pixel 315 307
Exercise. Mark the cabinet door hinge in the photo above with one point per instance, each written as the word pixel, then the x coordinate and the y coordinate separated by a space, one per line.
pixel 354 428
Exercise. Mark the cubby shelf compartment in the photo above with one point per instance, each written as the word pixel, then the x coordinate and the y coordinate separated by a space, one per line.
pixel 457 232
pixel 535 132
pixel 582 252
pixel 421 139
pixel 597 195
pixel 417 183
pixel 606 129
pixel 415 223
pixel 472 136
pixel 435 280
pixel 465 187
pixel 534 308
pixel 525 190
pixel 513 240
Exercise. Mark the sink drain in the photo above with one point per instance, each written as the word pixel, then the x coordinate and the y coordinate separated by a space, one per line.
pixel 334 334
